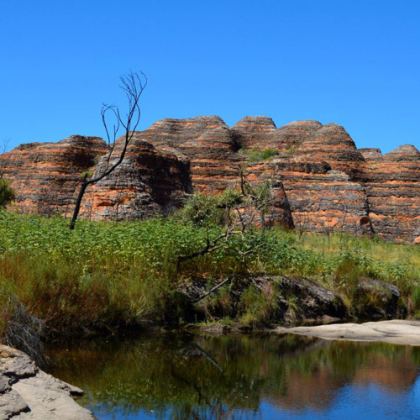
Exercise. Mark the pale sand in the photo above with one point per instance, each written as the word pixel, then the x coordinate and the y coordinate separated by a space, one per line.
pixel 394 331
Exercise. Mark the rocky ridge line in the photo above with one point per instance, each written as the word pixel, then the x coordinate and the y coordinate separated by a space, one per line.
pixel 325 182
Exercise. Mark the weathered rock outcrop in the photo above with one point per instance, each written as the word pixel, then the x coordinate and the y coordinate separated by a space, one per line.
pixel 44 176
pixel 326 183
pixel 392 331
pixel 208 144
pixel 26 392
pixel 392 184
pixel 148 182
pixel 302 301
pixel 377 300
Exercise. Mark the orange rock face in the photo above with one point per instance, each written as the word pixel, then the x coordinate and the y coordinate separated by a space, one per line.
pixel 147 183
pixel 44 176
pixel 208 144
pixel 393 192
pixel 322 181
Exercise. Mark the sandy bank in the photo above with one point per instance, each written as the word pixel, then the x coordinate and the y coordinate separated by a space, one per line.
pixel 393 331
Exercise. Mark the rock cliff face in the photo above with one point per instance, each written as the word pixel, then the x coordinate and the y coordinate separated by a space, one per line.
pixel 323 182
pixel 208 144
pixel 148 182
pixel 45 175
pixel 393 192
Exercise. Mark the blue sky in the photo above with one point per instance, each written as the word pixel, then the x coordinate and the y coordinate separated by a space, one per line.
pixel 353 62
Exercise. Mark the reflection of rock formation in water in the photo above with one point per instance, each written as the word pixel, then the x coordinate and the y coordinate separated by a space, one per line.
pixel 231 372
pixel 394 378
pixel 317 390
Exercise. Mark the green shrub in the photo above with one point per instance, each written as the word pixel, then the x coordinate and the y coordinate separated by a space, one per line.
pixel 416 300
pixel 256 155
pixel 6 193
pixel 257 306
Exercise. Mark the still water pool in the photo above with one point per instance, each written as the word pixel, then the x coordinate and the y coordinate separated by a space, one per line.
pixel 180 376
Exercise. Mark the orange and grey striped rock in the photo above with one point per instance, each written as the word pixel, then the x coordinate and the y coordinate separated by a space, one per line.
pixel 393 192
pixel 147 183
pixel 208 144
pixel 323 182
pixel 44 175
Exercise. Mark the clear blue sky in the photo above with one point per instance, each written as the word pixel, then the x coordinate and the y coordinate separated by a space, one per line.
pixel 354 62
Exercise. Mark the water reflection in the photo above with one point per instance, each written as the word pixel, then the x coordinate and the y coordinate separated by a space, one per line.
pixel 186 376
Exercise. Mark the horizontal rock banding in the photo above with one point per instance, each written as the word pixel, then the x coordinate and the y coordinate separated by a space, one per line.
pixel 326 183
pixel 44 176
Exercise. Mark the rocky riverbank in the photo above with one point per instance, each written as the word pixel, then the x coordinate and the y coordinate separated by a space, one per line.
pixel 27 392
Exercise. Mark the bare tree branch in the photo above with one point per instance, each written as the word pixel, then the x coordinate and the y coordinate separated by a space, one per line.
pixel 133 85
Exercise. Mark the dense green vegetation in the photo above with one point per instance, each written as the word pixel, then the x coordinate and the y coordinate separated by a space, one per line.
pixel 103 274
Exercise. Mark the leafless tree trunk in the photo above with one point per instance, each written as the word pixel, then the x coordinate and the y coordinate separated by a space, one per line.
pixel 133 86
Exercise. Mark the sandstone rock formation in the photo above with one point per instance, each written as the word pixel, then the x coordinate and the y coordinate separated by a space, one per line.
pixel 392 184
pixel 26 392
pixel 327 184
pixel 44 175
pixel 209 145
pixel 147 183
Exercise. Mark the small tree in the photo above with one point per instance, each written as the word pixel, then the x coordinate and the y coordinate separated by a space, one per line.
pixel 133 86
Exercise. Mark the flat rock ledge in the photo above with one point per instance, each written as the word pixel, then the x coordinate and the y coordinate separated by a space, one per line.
pixel 393 331
pixel 26 392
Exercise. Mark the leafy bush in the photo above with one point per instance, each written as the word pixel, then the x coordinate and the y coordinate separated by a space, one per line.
pixel 6 193
pixel 256 155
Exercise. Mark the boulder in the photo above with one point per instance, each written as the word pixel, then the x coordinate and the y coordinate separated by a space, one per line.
pixel 301 301
pixel 376 300
pixel 26 392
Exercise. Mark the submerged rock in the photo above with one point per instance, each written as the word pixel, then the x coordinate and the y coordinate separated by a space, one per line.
pixel 26 392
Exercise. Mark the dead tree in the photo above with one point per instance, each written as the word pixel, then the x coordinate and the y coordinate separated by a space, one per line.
pixel 133 86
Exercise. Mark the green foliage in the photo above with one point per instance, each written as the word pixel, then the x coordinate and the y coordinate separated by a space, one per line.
pixel 257 306
pixel 416 300
pixel 204 210
pixel 6 193
pixel 107 273
pixel 256 155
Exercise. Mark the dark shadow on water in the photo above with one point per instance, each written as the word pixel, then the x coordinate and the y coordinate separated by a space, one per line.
pixel 184 376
